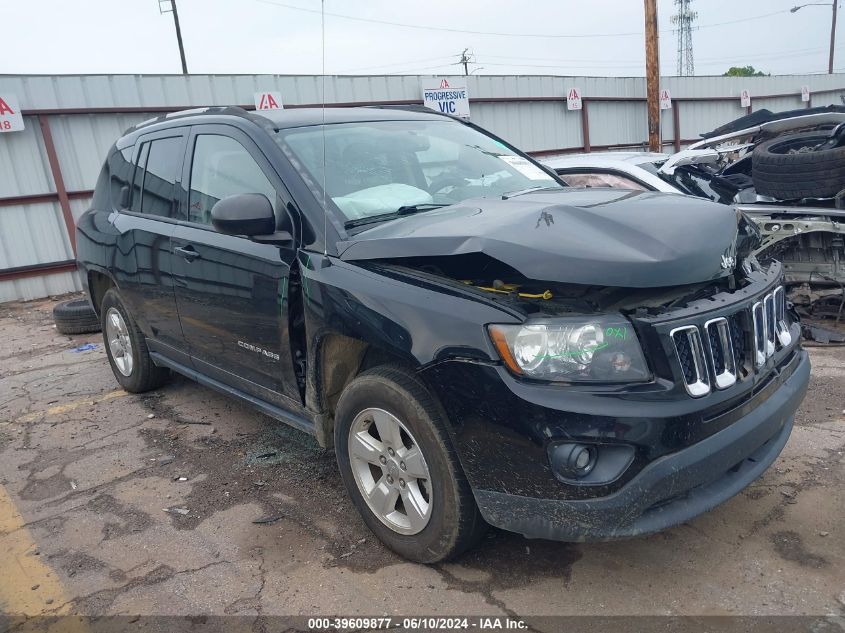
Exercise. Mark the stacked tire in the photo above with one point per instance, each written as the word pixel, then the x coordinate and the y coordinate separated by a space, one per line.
pixel 794 166
pixel 75 317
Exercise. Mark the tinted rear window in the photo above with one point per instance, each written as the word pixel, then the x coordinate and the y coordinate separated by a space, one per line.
pixel 159 167
pixel 120 173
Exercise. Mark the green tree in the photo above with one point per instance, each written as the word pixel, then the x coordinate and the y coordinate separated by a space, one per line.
pixel 744 71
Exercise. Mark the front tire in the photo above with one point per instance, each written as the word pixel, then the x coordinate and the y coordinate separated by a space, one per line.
pixel 400 469
pixel 126 347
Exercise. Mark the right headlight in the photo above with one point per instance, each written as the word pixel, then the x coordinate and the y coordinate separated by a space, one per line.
pixel 602 348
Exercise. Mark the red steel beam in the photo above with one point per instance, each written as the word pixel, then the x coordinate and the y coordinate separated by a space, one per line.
pixel 44 197
pixel 56 169
pixel 36 270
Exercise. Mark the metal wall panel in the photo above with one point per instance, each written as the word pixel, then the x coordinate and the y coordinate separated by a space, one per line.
pixel 38 287
pixel 36 234
pixel 24 169
pixel 82 141
pixel 32 234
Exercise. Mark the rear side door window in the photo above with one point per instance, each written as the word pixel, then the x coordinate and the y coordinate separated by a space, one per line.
pixel 158 169
pixel 222 167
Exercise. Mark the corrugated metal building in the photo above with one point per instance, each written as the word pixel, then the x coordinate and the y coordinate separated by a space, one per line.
pixel 47 172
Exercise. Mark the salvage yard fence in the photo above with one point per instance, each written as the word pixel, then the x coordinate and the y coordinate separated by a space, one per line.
pixel 48 170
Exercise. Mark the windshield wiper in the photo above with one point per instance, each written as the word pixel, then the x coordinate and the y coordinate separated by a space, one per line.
pixel 408 209
pixel 519 192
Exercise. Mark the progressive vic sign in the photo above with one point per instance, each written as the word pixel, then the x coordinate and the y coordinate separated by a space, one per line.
pixel 448 98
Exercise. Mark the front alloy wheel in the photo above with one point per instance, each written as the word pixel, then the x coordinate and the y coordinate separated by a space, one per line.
pixel 390 471
pixel 398 465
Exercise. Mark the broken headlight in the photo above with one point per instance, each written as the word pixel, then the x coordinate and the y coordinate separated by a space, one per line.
pixel 572 349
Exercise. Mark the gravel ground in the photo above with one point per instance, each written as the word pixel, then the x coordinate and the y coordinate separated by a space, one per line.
pixel 184 502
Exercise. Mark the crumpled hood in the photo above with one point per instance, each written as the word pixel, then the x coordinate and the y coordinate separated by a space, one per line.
pixel 601 237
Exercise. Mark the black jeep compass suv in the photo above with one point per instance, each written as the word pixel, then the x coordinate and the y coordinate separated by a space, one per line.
pixel 479 343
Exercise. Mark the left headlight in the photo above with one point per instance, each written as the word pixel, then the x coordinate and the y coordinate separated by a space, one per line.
pixel 603 348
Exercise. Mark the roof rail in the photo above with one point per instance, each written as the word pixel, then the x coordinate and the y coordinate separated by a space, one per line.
pixel 224 110
pixel 414 107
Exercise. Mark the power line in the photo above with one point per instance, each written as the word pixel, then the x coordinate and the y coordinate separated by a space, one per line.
pixel 626 61
pixel 414 70
pixel 405 63
pixel 739 20
pixel 445 29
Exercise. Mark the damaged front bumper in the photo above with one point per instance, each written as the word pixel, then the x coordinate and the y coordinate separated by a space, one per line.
pixel 672 489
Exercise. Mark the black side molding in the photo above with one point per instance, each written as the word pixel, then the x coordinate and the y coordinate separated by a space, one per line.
pixel 282 415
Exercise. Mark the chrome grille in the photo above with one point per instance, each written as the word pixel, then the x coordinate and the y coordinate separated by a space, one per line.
pixel 714 355
pixel 721 352
pixel 691 356
pixel 782 327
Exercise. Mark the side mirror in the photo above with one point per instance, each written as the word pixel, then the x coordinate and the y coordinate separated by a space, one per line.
pixel 244 214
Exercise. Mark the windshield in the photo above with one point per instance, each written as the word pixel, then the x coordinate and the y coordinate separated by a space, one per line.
pixel 379 167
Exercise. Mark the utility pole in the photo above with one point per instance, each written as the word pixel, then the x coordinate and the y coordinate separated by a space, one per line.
pixel 832 38
pixel 178 31
pixel 835 6
pixel 652 75
pixel 465 60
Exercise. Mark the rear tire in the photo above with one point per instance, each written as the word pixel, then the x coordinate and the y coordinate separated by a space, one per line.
pixel 804 173
pixel 75 317
pixel 127 349
pixel 447 521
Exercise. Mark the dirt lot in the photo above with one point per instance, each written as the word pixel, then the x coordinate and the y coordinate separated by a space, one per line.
pixel 185 502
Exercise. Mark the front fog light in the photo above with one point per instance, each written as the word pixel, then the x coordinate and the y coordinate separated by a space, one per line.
pixel 573 461
pixel 589 464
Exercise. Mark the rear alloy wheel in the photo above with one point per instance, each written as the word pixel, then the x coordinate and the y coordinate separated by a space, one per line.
pixel 400 469
pixel 120 346
pixel 126 347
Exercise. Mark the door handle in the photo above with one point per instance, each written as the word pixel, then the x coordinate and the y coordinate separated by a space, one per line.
pixel 187 252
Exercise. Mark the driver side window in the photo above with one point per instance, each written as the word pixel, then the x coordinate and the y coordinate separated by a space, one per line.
pixel 222 167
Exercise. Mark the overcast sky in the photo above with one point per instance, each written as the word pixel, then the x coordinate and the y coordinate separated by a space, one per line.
pixel 269 36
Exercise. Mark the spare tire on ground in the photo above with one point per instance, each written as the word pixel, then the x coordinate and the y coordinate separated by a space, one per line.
pixel 790 167
pixel 75 317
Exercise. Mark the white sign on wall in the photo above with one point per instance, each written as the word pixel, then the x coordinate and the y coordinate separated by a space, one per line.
pixel 573 99
pixel 665 99
pixel 11 119
pixel 268 101
pixel 447 97
pixel 745 99
pixel 805 93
